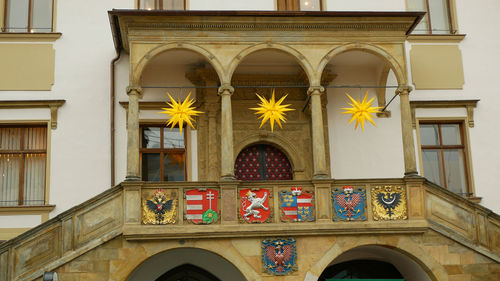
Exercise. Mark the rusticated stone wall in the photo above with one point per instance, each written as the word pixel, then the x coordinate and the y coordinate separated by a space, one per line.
pixel 444 258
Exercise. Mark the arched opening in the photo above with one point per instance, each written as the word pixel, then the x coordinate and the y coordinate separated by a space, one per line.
pixel 264 71
pixel 361 269
pixel 262 162
pixel 375 262
pixel 165 153
pixel 192 264
pixel 361 73
pixel 187 272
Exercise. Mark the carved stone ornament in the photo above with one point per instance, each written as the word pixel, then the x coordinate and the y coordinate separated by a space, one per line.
pixel 202 206
pixel 389 203
pixel 160 207
pixel 279 256
pixel 349 203
pixel 254 205
pixel 296 205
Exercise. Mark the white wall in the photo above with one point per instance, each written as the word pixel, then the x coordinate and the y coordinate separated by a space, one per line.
pixel 378 151
pixel 365 5
pixel 232 5
pixel 481 57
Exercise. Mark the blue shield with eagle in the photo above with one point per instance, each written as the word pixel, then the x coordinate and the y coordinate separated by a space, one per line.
pixel 279 256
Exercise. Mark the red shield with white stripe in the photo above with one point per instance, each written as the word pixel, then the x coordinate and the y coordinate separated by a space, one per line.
pixel 202 205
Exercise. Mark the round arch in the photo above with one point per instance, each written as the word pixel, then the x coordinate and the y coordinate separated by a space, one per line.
pixel 369 48
pixel 301 59
pixel 405 250
pixel 151 54
pixel 214 263
pixel 286 146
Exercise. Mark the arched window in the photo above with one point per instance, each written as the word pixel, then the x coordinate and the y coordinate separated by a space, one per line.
pixel 262 162
pixel 187 272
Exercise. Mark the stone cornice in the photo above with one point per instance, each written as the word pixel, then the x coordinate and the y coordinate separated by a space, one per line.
pixel 469 105
pixel 53 105
pixel 388 23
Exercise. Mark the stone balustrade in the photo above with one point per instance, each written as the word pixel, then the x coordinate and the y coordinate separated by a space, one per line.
pixel 419 207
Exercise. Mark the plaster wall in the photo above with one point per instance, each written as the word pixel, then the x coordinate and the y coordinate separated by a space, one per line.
pixel 365 5
pixel 79 161
pixel 20 221
pixel 480 56
pixel 376 152
pixel 232 5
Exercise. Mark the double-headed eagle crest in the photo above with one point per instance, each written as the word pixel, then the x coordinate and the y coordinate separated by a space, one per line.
pixel 279 256
pixel 159 209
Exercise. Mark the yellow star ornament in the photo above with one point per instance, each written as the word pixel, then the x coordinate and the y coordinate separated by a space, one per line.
pixel 361 111
pixel 180 112
pixel 272 110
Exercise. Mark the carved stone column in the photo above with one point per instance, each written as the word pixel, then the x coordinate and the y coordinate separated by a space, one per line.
pixel 134 94
pixel 408 144
pixel 212 143
pixel 318 135
pixel 227 165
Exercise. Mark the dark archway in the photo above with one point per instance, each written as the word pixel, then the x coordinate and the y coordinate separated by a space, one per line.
pixel 187 272
pixel 361 269
pixel 262 162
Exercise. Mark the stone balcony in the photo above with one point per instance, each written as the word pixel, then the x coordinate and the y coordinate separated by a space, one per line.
pixel 119 212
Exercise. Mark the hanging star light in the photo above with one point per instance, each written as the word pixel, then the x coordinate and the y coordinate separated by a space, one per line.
pixel 180 112
pixel 361 111
pixel 272 110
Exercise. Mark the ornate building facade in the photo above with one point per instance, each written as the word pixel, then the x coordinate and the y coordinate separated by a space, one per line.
pixel 95 185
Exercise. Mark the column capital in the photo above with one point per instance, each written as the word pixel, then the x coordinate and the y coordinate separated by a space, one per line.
pixel 315 90
pixel 136 89
pixel 225 88
pixel 404 89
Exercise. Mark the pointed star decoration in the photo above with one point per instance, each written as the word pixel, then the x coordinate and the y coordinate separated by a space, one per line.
pixel 180 112
pixel 272 110
pixel 361 111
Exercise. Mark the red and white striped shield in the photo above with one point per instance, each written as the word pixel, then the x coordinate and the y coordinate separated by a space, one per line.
pixel 202 206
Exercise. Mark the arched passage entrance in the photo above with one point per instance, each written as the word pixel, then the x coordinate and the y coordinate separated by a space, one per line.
pixel 375 262
pixel 187 272
pixel 186 262
pixel 262 162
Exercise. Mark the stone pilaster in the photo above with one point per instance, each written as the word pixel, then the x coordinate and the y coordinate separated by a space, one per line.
pixel 134 94
pixel 227 148
pixel 318 135
pixel 407 130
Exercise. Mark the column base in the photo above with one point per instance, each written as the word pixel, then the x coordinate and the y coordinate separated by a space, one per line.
pixel 320 177
pixel 132 178
pixel 412 174
pixel 228 178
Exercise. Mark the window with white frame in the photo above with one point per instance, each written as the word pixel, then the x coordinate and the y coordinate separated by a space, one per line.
pixel 23 158
pixel 28 16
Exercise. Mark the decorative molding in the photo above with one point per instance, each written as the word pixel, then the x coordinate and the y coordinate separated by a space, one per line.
pixel 29 37
pixel 435 38
pixel 468 104
pixel 53 105
pixel 26 210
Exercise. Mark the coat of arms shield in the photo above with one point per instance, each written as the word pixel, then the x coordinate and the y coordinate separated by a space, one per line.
pixel 279 256
pixel 254 205
pixel 201 206
pixel 349 203
pixel 296 205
